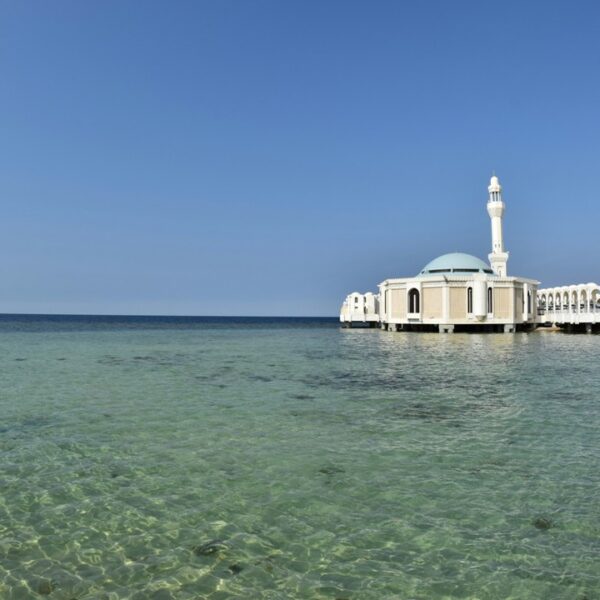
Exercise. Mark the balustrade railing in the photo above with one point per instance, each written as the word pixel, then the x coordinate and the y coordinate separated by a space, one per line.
pixel 565 312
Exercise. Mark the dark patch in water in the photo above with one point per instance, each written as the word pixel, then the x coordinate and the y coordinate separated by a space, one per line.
pixel 235 568
pixel 432 410
pixel 45 587
pixel 260 378
pixel 61 358
pixel 69 446
pixel 20 359
pixel 543 523
pixel 565 397
pixel 331 470
pixel 479 397
pixel 352 381
pixel 320 354
pixel 139 359
pixel 302 397
pixel 110 360
pixel 212 547
pixel 35 422
pixel 419 410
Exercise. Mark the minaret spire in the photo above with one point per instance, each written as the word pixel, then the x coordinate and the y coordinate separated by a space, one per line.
pixel 495 207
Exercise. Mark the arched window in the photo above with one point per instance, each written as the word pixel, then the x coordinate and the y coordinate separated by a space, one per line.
pixel 490 303
pixel 528 303
pixel 470 300
pixel 413 301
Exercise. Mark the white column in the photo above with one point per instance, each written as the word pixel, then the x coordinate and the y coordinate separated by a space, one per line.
pixel 570 305
pixel 445 303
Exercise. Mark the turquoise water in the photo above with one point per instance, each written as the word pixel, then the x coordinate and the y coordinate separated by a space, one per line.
pixel 292 459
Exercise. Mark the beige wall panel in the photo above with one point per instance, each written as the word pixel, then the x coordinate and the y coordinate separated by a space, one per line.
pixel 398 300
pixel 458 303
pixel 501 303
pixel 432 303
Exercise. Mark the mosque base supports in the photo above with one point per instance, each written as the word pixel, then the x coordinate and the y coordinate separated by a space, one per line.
pixel 463 327
pixel 577 327
pixel 361 324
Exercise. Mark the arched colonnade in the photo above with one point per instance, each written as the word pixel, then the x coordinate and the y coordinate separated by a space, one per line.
pixel 568 301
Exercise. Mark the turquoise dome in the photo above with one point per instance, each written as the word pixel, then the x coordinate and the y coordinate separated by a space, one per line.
pixel 456 262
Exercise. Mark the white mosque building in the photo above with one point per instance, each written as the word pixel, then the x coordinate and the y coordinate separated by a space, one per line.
pixel 460 292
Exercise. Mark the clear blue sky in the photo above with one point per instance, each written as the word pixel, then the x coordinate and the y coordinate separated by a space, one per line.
pixel 268 157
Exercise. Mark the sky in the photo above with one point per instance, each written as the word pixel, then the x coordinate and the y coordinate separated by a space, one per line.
pixel 267 158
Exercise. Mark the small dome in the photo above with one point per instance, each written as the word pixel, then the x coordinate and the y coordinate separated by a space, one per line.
pixel 494 181
pixel 456 262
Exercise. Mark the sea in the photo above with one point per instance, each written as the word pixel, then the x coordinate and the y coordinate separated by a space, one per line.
pixel 253 458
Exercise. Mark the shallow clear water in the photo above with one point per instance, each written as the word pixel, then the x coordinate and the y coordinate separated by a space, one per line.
pixel 292 459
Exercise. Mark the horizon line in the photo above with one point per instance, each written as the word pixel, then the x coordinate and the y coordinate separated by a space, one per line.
pixel 16 314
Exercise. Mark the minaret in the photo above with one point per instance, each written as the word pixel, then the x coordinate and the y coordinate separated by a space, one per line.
pixel 498 257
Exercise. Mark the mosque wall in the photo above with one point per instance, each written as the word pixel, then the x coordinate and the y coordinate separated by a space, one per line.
pixel 398 300
pixel 502 304
pixel 432 303
pixel 458 303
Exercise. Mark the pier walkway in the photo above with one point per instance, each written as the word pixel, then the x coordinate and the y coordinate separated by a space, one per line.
pixel 570 305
